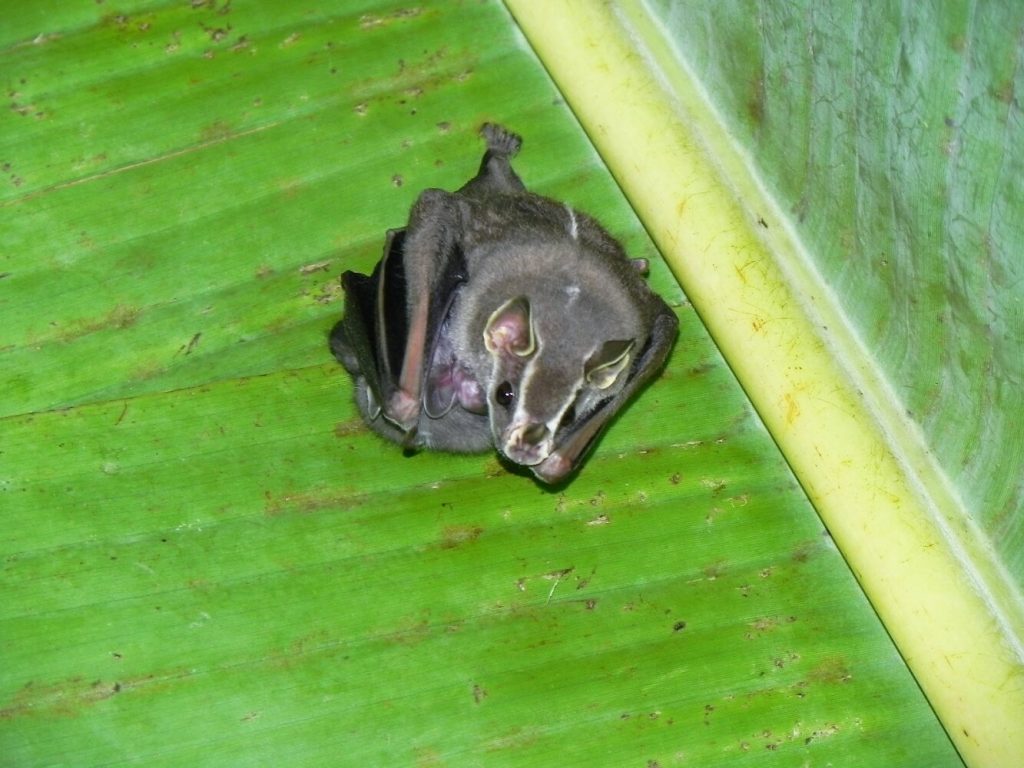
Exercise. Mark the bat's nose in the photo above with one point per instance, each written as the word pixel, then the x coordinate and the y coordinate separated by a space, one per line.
pixel 527 444
pixel 534 433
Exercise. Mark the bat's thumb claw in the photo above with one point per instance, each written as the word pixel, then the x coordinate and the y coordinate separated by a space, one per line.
pixel 403 410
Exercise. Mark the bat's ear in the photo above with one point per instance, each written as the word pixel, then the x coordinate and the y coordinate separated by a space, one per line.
pixel 509 329
pixel 605 365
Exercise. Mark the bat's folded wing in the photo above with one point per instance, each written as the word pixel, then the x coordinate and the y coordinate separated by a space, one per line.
pixel 370 339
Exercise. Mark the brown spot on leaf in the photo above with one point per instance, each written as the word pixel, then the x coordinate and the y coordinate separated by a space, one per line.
pixel 349 428
pixel 372 20
pixel 714 570
pixel 218 130
pixel 831 670
pixel 1005 92
pixel 119 317
pixel 317 266
pixel 455 536
pixel 803 552
pixel 307 502
pixel 756 101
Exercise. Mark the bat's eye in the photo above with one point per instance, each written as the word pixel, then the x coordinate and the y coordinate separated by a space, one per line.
pixel 504 394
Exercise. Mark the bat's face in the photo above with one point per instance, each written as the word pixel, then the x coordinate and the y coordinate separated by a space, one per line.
pixel 546 379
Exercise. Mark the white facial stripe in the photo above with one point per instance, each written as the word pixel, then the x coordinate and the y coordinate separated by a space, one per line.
pixel 554 423
pixel 574 232
pixel 519 416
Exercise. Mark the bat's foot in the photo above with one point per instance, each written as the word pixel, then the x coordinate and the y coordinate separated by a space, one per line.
pixel 500 141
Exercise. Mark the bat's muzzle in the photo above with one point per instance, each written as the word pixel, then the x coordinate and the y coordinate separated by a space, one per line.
pixel 527 444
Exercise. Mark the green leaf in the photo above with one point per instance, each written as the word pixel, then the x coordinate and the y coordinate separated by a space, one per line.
pixel 781 158
pixel 209 560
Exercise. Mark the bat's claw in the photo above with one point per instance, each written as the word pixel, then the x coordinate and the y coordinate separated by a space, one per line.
pixel 500 141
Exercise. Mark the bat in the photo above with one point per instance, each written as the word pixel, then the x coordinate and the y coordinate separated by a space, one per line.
pixel 498 318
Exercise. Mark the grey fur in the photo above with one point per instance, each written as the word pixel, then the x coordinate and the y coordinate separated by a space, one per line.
pixel 544 304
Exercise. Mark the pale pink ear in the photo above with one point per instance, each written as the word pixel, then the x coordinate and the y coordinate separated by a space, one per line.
pixel 509 329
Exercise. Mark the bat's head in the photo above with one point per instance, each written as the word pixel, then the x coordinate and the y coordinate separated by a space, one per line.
pixel 550 372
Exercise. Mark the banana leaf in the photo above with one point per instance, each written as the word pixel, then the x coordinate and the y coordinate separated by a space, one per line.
pixel 208 559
